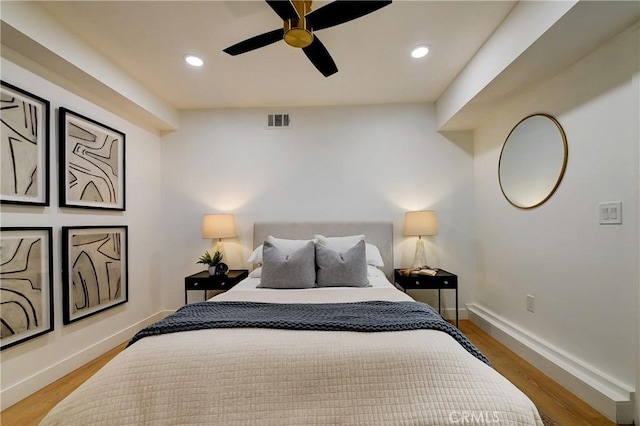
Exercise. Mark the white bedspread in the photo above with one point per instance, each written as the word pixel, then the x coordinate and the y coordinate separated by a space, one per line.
pixel 286 377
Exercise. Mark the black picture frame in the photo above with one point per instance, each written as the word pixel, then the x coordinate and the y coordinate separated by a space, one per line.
pixel 92 163
pixel 24 147
pixel 26 284
pixel 94 270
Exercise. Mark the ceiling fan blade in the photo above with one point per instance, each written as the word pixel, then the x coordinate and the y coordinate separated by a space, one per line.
pixel 284 9
pixel 319 56
pixel 341 11
pixel 256 42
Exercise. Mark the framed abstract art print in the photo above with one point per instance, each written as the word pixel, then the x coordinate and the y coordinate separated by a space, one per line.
pixel 94 270
pixel 24 147
pixel 92 163
pixel 26 284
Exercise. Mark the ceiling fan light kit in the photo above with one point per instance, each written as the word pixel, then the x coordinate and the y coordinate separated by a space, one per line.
pixel 299 24
pixel 296 31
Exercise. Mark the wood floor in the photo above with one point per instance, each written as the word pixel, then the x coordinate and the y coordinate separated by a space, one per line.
pixel 550 398
pixel 556 402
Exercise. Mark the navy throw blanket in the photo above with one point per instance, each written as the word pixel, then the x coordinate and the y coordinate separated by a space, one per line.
pixel 372 316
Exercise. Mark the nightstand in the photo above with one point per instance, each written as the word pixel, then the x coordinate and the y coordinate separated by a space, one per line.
pixel 443 280
pixel 203 281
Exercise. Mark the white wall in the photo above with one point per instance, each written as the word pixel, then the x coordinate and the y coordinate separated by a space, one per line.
pixel 35 363
pixel 636 89
pixel 334 163
pixel 584 276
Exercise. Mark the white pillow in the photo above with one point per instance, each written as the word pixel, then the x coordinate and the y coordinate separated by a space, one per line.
pixel 373 256
pixel 342 244
pixel 256 256
pixel 257 273
pixel 284 245
pixel 372 271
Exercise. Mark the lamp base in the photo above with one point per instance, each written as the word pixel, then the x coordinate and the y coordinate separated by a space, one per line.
pixel 220 247
pixel 420 256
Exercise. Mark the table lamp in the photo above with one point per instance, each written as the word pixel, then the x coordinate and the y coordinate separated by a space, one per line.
pixel 218 226
pixel 420 223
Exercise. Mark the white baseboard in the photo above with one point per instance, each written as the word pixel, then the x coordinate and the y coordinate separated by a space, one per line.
pixel 607 395
pixel 39 380
pixel 450 314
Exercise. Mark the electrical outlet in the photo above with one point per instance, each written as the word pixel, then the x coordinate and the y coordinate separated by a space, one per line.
pixel 531 303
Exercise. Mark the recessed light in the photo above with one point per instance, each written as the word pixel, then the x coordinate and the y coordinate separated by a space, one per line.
pixel 193 60
pixel 420 51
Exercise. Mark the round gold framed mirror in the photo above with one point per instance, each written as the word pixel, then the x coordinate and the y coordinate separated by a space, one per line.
pixel 532 161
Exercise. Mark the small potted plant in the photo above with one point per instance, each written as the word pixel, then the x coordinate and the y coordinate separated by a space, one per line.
pixel 211 261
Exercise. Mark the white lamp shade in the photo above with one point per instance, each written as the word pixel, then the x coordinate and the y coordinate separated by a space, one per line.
pixel 420 223
pixel 218 226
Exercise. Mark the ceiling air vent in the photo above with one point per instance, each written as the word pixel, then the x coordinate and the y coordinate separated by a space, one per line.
pixel 278 121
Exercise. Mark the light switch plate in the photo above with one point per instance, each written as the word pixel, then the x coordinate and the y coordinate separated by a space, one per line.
pixel 611 213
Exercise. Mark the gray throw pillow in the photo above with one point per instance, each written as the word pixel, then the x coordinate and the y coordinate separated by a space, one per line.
pixel 348 269
pixel 281 270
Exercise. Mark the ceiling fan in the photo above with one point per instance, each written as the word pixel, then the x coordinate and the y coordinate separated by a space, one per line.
pixel 300 23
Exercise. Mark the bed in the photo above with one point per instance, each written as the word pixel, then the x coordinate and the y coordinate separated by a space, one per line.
pixel 236 375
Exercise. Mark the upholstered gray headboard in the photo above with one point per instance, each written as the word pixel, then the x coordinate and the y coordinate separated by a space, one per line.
pixel 378 233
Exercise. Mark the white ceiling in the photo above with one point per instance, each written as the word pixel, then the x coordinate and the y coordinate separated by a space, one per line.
pixel 148 39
